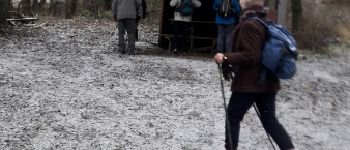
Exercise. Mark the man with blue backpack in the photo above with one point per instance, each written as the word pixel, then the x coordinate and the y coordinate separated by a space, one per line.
pixel 227 15
pixel 182 18
pixel 258 42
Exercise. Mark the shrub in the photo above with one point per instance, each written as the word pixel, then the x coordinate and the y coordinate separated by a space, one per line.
pixel 325 23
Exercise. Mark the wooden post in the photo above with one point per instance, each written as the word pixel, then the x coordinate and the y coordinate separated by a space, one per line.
pixel 161 21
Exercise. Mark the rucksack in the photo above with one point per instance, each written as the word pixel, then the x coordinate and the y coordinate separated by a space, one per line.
pixel 279 54
pixel 226 10
pixel 185 8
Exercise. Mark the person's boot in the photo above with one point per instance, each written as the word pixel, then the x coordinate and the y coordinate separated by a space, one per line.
pixel 175 51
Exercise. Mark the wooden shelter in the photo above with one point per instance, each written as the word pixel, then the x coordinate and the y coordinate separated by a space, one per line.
pixel 203 28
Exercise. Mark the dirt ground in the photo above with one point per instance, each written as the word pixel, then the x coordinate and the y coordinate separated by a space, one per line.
pixel 62 86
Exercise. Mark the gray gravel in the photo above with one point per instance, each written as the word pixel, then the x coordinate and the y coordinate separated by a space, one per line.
pixel 63 87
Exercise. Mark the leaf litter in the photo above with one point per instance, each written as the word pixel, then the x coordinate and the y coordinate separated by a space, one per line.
pixel 63 86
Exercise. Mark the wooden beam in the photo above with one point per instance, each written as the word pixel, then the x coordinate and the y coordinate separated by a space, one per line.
pixel 23 19
pixel 161 20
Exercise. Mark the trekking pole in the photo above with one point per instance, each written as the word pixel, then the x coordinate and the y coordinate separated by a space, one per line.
pixel 268 135
pixel 225 107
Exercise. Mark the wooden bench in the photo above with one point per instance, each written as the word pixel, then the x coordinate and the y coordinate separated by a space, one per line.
pixel 21 21
pixel 192 38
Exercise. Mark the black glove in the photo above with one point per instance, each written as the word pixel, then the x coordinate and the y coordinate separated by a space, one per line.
pixel 227 71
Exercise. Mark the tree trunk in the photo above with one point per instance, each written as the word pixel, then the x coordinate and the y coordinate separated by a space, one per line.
pixel 108 4
pixel 58 8
pixel 272 4
pixel 297 12
pixel 74 7
pixel 25 7
pixel 41 4
pixel 277 3
pixel 71 8
pixel 35 5
pixel 4 9
pixel 52 7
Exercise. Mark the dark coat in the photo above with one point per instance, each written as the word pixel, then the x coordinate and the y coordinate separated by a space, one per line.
pixel 249 39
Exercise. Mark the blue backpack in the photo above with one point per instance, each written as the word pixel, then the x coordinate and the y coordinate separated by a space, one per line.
pixel 279 54
pixel 185 8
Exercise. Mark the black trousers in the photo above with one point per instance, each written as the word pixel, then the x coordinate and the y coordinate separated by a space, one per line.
pixel 128 26
pixel 265 102
pixel 181 31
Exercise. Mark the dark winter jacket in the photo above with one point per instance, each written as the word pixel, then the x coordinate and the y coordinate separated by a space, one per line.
pixel 125 9
pixel 249 39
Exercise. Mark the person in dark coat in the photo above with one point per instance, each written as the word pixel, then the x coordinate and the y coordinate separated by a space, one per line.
pixel 249 39
pixel 141 14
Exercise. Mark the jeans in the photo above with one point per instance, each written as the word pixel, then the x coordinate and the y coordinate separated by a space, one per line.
pixel 265 102
pixel 128 25
pixel 225 38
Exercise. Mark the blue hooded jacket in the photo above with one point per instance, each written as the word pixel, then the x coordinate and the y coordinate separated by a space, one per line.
pixel 229 20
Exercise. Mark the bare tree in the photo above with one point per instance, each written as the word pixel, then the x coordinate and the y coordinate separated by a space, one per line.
pixel 94 6
pixel 58 8
pixel 41 4
pixel 272 4
pixel 71 8
pixel 4 9
pixel 108 4
pixel 25 7
pixel 35 5
pixel 297 12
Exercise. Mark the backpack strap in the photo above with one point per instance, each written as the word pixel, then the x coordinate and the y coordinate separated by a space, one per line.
pixel 287 39
pixel 260 20
pixel 264 73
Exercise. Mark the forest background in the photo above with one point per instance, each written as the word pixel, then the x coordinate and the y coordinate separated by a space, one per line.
pixel 317 24
pixel 63 86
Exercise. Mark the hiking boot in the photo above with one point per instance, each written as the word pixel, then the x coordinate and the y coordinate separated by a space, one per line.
pixel 175 51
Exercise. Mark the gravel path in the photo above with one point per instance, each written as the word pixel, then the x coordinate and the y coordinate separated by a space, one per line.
pixel 63 87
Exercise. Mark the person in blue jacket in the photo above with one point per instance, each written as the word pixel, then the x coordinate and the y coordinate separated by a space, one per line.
pixel 225 25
